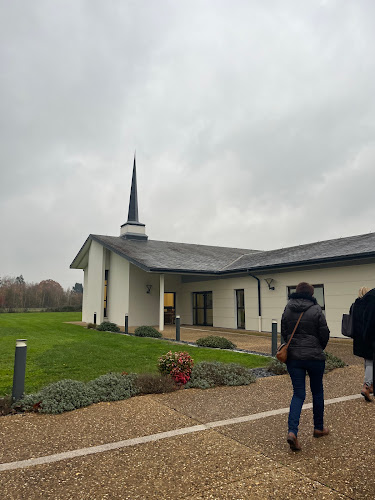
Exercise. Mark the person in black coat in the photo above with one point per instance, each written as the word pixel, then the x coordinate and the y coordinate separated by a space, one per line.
pixel 363 332
pixel 305 355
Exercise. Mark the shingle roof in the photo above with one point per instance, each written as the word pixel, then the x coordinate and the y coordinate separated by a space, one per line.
pixel 159 256
pixel 322 251
pixel 156 255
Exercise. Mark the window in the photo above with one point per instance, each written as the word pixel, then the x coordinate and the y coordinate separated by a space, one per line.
pixel 240 305
pixel 105 292
pixel 318 294
pixel 202 308
pixel 169 308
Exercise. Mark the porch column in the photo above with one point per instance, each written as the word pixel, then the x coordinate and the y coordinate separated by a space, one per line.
pixel 161 308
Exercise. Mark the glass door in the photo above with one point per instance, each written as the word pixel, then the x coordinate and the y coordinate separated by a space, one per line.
pixel 240 303
pixel 202 308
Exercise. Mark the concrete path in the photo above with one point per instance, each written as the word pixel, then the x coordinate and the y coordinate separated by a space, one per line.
pixel 224 443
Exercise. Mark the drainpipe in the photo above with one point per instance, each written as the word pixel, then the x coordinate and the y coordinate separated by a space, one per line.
pixel 259 303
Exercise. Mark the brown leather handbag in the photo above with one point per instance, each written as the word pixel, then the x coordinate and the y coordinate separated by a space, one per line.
pixel 282 351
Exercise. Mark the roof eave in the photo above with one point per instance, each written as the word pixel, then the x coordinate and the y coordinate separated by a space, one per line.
pixel 300 263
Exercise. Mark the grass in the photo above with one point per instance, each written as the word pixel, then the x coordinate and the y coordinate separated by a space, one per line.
pixel 56 350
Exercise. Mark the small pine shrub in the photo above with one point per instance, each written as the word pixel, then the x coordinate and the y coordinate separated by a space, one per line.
pixel 107 326
pixel 151 383
pixel 147 331
pixel 216 342
pixel 276 367
pixel 333 362
pixel 112 387
pixel 91 326
pixel 211 374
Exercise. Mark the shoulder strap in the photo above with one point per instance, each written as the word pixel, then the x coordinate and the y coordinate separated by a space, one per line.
pixel 295 328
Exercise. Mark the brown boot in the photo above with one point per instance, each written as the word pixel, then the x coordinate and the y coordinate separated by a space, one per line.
pixel 293 442
pixel 372 389
pixel 320 433
pixel 366 392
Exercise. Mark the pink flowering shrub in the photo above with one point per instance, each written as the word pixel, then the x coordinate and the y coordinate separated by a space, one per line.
pixel 176 364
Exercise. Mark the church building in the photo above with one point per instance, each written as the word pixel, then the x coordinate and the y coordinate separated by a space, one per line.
pixel 152 281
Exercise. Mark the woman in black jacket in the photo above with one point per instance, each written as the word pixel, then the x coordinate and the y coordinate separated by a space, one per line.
pixel 305 355
pixel 363 331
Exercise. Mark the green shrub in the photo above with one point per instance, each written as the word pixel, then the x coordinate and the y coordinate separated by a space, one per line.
pixel 64 309
pixel 112 387
pixel 217 342
pixel 107 326
pixel 6 405
pixel 29 402
pixel 151 383
pixel 147 331
pixel 65 395
pixel 333 362
pixel 276 367
pixel 211 374
pixel 91 326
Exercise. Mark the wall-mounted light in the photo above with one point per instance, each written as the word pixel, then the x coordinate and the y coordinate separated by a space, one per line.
pixel 269 282
pixel 148 288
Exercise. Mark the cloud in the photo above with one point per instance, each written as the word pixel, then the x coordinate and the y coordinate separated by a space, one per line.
pixel 253 124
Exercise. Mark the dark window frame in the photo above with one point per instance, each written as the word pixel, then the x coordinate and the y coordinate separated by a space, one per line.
pixel 106 275
pixel 204 308
pixel 292 289
pixel 240 308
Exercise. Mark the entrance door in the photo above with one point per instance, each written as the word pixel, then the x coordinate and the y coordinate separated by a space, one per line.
pixel 240 302
pixel 169 308
pixel 202 308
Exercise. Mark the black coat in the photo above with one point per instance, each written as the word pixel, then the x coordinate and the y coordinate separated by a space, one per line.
pixel 312 334
pixel 363 312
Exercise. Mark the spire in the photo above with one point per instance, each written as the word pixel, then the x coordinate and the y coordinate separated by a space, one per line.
pixel 133 229
pixel 133 202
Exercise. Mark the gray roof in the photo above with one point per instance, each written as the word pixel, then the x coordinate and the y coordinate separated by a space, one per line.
pixel 352 247
pixel 153 255
pixel 165 256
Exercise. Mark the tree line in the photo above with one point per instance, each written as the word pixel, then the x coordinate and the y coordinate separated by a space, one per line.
pixel 17 294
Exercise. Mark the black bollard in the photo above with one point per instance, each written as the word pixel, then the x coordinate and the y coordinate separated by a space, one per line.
pixel 177 327
pixel 19 369
pixel 94 318
pixel 126 324
pixel 274 338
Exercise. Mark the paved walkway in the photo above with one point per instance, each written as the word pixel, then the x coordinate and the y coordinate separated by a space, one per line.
pixel 224 443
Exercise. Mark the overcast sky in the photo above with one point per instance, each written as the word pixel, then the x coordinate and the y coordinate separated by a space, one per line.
pixel 253 123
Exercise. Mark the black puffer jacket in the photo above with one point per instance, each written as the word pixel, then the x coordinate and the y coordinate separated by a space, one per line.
pixel 312 334
pixel 363 312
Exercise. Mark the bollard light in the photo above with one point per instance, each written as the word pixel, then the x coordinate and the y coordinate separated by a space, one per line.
pixel 177 327
pixel 126 324
pixel 94 318
pixel 19 369
pixel 274 338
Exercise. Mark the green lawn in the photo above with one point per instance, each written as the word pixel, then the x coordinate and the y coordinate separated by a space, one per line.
pixel 56 350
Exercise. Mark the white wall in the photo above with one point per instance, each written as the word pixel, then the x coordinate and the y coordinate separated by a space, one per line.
pixel 223 300
pixel 341 286
pixel 94 278
pixel 127 292
pixel 85 294
pixel 143 307
pixel 118 289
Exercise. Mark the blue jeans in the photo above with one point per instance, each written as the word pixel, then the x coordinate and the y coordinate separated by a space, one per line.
pixel 297 369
